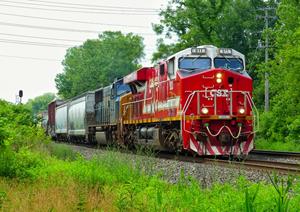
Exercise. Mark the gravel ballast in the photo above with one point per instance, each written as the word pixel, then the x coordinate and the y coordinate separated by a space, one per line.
pixel 172 170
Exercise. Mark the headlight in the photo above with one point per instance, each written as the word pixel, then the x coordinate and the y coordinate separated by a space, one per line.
pixel 219 75
pixel 204 110
pixel 241 110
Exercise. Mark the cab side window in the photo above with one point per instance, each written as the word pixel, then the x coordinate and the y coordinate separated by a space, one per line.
pixel 162 69
pixel 171 67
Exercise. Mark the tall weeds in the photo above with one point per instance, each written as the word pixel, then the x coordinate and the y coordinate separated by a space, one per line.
pixel 282 188
pixel 250 205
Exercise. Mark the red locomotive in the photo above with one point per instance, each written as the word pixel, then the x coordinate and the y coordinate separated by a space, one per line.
pixel 199 99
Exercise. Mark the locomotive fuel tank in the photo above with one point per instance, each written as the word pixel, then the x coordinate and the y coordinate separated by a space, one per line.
pixel 149 136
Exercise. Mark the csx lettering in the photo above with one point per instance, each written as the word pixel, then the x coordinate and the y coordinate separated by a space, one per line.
pixel 219 93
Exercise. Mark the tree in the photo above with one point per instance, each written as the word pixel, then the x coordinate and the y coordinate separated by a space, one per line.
pixel 98 62
pixel 283 122
pixel 40 103
pixel 224 23
pixel 234 24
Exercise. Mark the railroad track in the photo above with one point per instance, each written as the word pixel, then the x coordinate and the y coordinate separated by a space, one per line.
pixel 282 167
pixel 275 153
pixel 267 165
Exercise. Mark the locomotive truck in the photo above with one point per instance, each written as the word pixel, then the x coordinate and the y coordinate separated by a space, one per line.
pixel 199 99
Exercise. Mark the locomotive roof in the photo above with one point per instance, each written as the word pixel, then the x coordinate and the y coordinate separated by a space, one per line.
pixel 211 51
pixel 138 75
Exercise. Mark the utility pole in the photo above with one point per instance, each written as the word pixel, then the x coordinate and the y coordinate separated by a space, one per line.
pixel 266 18
pixel 267 83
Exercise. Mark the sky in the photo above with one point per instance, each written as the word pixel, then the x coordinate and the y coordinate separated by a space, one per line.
pixel 35 34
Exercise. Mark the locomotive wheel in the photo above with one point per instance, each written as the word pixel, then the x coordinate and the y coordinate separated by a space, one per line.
pixel 171 139
pixel 130 139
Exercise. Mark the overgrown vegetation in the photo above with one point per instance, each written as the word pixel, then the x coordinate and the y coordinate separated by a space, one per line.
pixel 42 176
pixel 110 182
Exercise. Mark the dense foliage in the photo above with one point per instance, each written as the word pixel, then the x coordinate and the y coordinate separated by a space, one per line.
pixel 40 103
pixel 98 62
pixel 18 133
pixel 14 117
pixel 282 123
pixel 231 24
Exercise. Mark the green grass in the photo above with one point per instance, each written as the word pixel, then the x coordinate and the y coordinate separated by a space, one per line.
pixel 113 182
pixel 37 175
pixel 276 145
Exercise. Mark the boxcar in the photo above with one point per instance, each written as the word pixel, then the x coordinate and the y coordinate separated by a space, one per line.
pixel 50 128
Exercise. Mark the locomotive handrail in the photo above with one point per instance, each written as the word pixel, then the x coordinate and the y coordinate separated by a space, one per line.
pixel 137 101
pixel 247 98
pixel 255 117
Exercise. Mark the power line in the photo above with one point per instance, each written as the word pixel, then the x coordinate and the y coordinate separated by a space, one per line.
pixel 44 44
pixel 37 37
pixel 30 58
pixel 90 5
pixel 34 43
pixel 74 11
pixel 48 28
pixel 80 8
pixel 71 21
pixel 60 29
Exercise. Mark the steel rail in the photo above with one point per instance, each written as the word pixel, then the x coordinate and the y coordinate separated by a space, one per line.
pixel 275 153
pixel 261 164
pixel 281 167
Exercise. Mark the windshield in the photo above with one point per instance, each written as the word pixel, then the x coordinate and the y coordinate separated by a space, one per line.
pixel 198 64
pixel 123 88
pixel 235 64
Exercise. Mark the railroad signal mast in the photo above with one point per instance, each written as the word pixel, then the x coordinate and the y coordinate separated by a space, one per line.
pixel 19 97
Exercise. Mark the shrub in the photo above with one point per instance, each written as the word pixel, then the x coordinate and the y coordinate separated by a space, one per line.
pixel 21 164
pixel 7 161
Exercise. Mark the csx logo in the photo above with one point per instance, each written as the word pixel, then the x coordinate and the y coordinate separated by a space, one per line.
pixel 219 93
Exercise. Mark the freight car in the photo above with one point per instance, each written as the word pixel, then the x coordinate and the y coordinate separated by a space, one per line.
pixel 199 99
